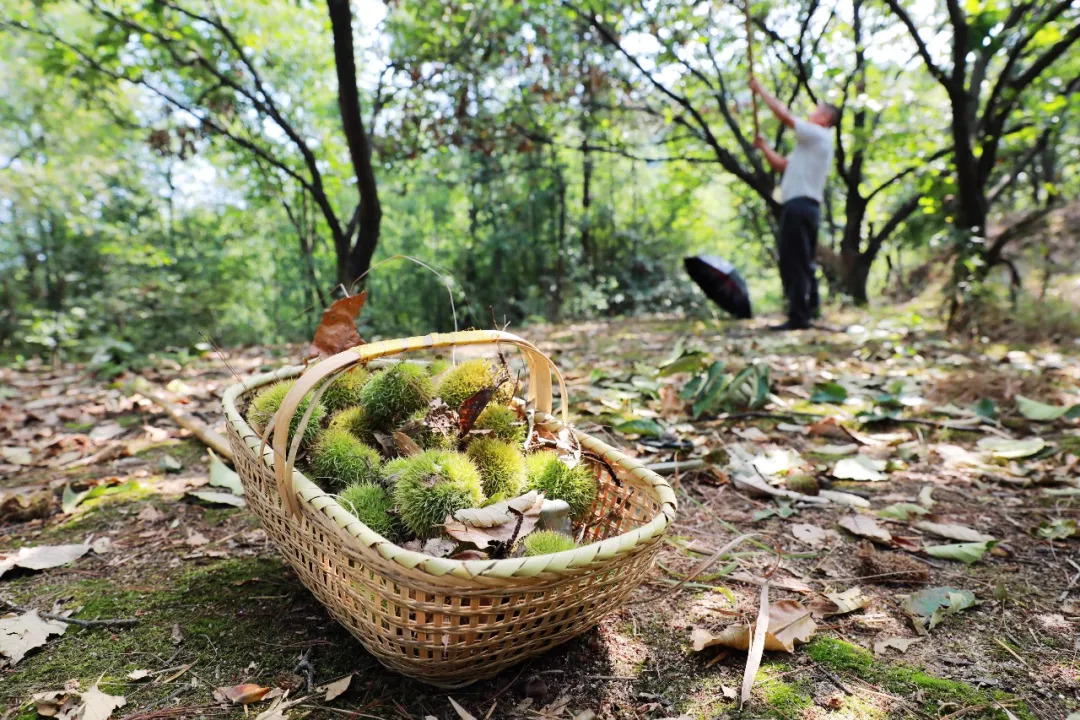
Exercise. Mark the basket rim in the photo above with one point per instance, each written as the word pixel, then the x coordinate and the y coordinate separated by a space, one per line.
pixel 352 529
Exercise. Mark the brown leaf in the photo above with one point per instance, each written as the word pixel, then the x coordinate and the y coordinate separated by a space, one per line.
pixel 406 445
pixel 789 622
pixel 839 603
pixel 498 523
pixel 337 329
pixel 472 407
pixel 246 693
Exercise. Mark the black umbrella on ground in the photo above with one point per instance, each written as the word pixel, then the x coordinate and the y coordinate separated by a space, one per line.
pixel 721 282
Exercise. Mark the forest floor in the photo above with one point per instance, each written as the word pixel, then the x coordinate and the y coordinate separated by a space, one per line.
pixel 85 462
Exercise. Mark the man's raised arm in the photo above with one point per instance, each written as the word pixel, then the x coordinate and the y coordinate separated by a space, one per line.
pixel 776 161
pixel 781 111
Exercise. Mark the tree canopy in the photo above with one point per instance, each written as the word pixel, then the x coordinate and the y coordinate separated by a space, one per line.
pixel 179 170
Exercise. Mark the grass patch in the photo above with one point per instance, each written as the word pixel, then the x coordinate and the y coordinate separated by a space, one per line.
pixel 929 691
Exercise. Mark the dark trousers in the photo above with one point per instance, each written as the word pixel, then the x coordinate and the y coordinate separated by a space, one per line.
pixel 797 245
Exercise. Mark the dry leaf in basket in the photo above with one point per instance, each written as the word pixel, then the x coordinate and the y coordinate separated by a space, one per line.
pixel 499 523
pixel 337 329
pixel 789 622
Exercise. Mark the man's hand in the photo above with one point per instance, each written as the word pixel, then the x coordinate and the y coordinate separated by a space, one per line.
pixel 759 142
pixel 755 86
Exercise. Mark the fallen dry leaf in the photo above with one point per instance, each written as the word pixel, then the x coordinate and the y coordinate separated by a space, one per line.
pixel 897 643
pixel 813 535
pixel 337 329
pixel 960 533
pixel 98 705
pixel 337 687
pixel 839 603
pixel 42 557
pixel 21 634
pixel 463 714
pixel 865 526
pixel 245 693
pixel 496 523
pixel 789 622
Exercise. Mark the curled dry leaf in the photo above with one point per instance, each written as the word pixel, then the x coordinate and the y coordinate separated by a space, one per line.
pixel 245 693
pixel 337 329
pixel 839 603
pixel 501 522
pixel 789 623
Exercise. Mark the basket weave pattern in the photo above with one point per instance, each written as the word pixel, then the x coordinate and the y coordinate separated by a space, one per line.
pixel 450 622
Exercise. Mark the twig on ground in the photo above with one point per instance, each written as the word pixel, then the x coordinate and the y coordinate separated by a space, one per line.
pixel 305 666
pixel 214 440
pixel 832 678
pixel 696 571
pixel 112 622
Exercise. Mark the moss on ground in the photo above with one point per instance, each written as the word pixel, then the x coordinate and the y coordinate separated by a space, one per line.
pixel 931 692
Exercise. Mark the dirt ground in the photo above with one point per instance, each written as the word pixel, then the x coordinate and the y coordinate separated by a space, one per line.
pixel 216 606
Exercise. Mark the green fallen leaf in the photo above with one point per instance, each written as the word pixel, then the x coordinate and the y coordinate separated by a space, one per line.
pixel 985 408
pixel 902 511
pixel 832 393
pixel 967 553
pixel 1038 411
pixel 640 426
pixel 929 607
pixel 71 499
pixel 1010 449
pixel 1057 529
pixel 691 361
pixel 221 475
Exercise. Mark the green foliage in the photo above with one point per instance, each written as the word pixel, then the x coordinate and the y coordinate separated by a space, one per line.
pixel 372 505
pixel 339 459
pixel 431 486
pixel 558 481
pixel 344 391
pixel 545 542
pixel 393 394
pixel 504 423
pixel 267 401
pixel 501 466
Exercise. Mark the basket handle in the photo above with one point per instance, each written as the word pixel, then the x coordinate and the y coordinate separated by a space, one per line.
pixel 540 368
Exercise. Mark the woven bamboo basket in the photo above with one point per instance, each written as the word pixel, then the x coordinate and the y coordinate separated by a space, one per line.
pixel 447 622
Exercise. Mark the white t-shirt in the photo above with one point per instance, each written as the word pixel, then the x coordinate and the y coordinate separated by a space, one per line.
pixel 808 165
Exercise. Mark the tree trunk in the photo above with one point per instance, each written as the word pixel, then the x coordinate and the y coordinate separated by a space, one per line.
pixel 354 261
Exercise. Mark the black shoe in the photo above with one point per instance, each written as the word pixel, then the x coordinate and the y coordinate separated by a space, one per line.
pixel 789 325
